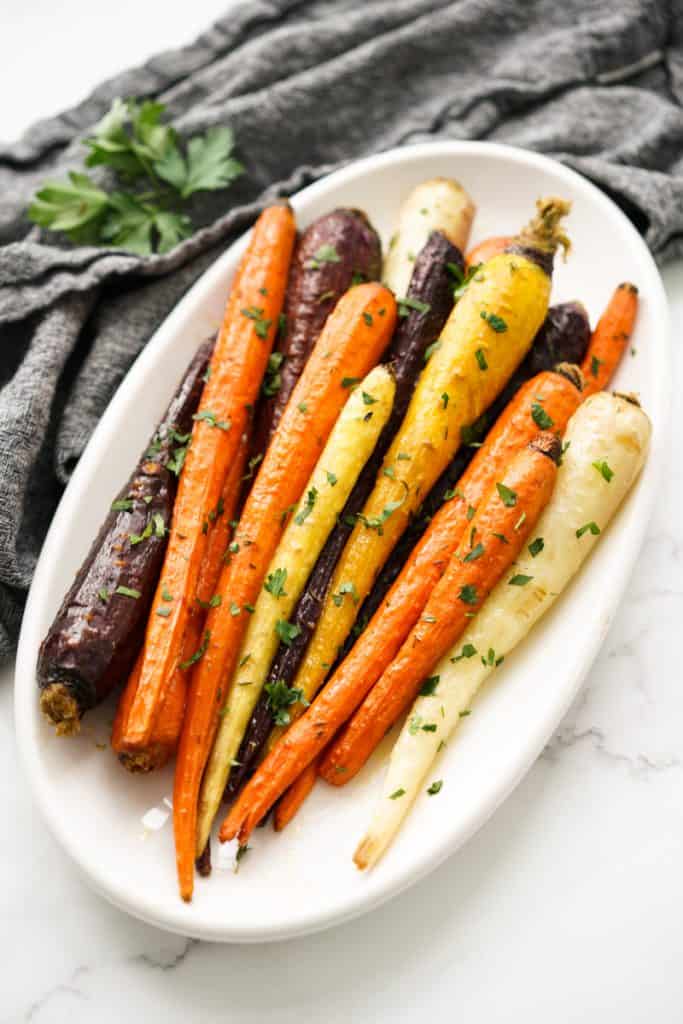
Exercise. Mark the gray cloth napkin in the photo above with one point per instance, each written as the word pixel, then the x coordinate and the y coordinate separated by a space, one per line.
pixel 308 86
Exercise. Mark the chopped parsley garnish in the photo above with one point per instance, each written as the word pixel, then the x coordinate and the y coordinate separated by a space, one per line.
pixel 210 417
pixel 331 478
pixel 403 457
pixel 491 660
pixel 468 651
pixel 103 594
pixel 235 609
pixel 324 296
pixel 476 552
pixel 595 365
pixel 429 686
pixel 244 660
pixel 468 594
pixel 367 318
pixel 302 407
pixel 199 653
pixel 481 359
pixel 137 538
pixel 520 580
pixel 390 472
pixel 233 547
pixel 261 325
pixel 536 546
pixel 325 254
pixel 431 349
pixel 462 280
pixel 272 380
pixel 280 699
pixel 501 537
pixel 415 724
pixel 507 495
pixel 307 507
pixel 166 595
pixel 435 787
pixel 604 470
pixel 163 612
pixel 350 382
pixel 346 588
pixel 123 505
pixel 282 324
pixel 367 398
pixel 429 727
pixel 405 305
pixel 494 321
pixel 591 527
pixel 275 583
pixel 287 631
pixel 541 417
pixel 397 793
pixel 128 592
pixel 471 512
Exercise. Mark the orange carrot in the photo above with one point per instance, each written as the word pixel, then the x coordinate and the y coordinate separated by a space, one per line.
pixel 168 724
pixel 499 530
pixel 293 799
pixel 487 249
pixel 554 394
pixel 351 342
pixel 237 366
pixel 610 338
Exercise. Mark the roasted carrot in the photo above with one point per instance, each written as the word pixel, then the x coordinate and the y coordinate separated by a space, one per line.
pixel 610 338
pixel 168 724
pixel 499 531
pixel 486 250
pixel 295 796
pixel 483 341
pixel 352 340
pixel 558 397
pixel 237 366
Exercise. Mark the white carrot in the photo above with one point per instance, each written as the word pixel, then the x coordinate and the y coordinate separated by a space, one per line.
pixel 436 205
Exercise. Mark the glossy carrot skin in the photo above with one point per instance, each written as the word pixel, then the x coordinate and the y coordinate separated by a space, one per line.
pixel 295 796
pixel 385 633
pixel 610 338
pixel 169 722
pixel 486 250
pixel 352 341
pixel 497 535
pixel 237 366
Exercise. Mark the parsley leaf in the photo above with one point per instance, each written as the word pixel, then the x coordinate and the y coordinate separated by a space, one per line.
pixel 287 631
pixel 280 699
pixel 591 528
pixel 275 583
pixel 435 787
pixel 541 417
pixel 306 509
pixel 536 546
pixel 494 321
pixel 520 580
pixel 604 470
pixel 507 495
pixel 147 157
pixel 325 254
pixel 429 686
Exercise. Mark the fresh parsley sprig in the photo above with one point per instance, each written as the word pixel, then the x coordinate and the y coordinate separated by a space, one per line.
pixel 155 176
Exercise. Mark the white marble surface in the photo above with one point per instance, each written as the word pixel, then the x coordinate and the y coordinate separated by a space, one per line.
pixel 565 907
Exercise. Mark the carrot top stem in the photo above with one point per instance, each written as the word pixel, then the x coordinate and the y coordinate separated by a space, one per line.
pixel 544 231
